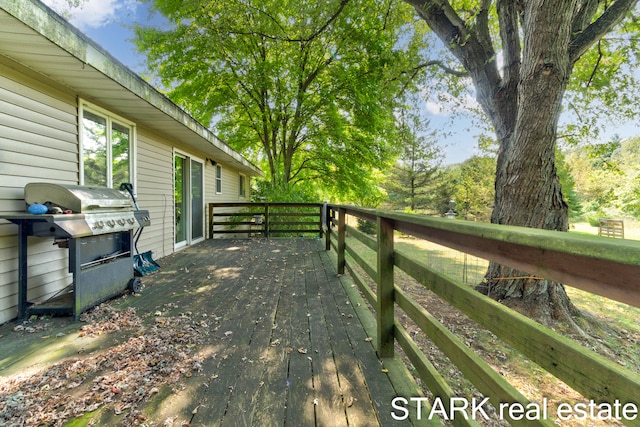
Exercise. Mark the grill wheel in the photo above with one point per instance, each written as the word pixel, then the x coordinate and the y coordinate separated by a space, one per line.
pixel 135 285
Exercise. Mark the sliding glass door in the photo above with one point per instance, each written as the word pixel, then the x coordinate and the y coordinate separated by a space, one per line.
pixel 188 199
pixel 197 200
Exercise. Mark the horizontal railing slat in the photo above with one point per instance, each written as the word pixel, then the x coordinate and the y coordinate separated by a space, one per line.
pixel 584 370
pixel 476 370
pixel 361 262
pixel 368 293
pixel 430 375
pixel 277 223
pixel 361 237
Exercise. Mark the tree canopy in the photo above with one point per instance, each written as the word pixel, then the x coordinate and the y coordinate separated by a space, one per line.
pixel 306 89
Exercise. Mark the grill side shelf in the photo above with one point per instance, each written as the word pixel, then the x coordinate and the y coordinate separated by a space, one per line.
pixel 49 225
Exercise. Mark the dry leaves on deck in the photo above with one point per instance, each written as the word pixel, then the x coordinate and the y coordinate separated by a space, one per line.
pixel 119 379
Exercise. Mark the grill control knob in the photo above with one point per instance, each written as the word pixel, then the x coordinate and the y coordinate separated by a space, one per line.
pixel 99 224
pixel 111 223
pixel 131 220
pixel 121 221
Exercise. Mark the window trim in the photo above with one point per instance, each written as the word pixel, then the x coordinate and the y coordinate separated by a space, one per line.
pixel 218 179
pixel 110 117
pixel 242 184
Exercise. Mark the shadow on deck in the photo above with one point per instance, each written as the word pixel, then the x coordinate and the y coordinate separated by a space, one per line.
pixel 279 339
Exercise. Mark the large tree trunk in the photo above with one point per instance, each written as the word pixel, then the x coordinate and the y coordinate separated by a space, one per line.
pixel 528 191
pixel 521 92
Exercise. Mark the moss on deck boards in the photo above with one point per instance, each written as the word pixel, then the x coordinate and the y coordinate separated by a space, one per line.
pixel 276 339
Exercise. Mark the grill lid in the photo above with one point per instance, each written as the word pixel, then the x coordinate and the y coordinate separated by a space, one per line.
pixel 78 198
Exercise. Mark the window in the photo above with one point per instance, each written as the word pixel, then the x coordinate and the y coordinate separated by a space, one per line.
pixel 106 148
pixel 243 186
pixel 218 179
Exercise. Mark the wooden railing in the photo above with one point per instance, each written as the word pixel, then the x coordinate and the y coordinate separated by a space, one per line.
pixel 265 219
pixel 607 267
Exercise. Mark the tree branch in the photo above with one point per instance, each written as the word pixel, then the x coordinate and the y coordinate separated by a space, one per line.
pixel 482 25
pixel 415 70
pixel 445 22
pixel 508 17
pixel 582 18
pixel 476 56
pixel 595 67
pixel 309 38
pixel 582 41
pixel 333 17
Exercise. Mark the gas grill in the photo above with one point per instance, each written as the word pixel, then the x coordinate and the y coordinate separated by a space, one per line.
pixel 95 224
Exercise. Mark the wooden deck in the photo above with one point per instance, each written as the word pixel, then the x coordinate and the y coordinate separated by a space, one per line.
pixel 282 340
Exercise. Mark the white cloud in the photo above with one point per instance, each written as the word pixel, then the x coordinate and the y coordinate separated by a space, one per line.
pixel 92 13
pixel 445 104
pixel 435 109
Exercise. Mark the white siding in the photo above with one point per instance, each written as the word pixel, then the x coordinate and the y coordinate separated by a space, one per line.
pixel 38 142
pixel 154 164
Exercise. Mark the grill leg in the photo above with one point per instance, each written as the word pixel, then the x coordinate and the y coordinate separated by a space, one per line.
pixel 22 271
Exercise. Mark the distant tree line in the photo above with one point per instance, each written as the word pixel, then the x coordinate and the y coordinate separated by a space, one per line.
pixel 607 178
pixel 601 180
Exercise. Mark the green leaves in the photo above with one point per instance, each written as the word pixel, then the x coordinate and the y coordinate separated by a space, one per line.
pixel 305 89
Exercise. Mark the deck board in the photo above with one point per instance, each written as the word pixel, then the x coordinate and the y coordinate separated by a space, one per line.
pixel 285 344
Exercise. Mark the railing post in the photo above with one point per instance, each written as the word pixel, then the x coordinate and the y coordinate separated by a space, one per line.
pixel 326 226
pixel 321 220
pixel 211 220
pixel 385 288
pixel 266 220
pixel 342 232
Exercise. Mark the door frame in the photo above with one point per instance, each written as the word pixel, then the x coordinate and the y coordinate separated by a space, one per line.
pixel 188 201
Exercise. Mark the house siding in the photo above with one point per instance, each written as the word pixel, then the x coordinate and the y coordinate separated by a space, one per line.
pixel 39 142
pixel 230 190
pixel 154 188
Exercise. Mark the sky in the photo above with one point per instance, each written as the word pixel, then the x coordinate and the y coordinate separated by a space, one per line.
pixel 109 24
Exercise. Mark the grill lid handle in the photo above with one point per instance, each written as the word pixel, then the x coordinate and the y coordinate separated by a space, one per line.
pixel 128 187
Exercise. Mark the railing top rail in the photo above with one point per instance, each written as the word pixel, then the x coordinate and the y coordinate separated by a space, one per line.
pixel 251 204
pixel 600 265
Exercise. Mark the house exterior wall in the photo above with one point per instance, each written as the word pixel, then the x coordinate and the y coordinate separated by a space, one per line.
pixel 39 142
